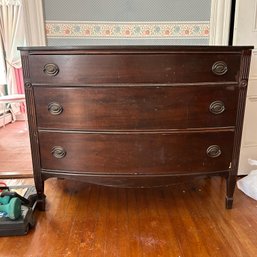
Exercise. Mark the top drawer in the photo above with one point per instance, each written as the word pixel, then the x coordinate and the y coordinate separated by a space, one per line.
pixel 135 68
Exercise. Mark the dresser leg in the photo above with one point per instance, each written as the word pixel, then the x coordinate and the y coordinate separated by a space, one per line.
pixel 231 183
pixel 39 183
pixel 229 202
pixel 41 202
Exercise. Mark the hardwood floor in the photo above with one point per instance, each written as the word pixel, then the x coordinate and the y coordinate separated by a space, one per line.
pixel 187 220
pixel 15 155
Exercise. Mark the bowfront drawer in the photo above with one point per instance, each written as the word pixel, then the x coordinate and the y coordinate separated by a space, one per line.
pixel 135 68
pixel 152 153
pixel 136 108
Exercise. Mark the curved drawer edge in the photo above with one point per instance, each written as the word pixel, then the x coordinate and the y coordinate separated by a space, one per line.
pixel 130 181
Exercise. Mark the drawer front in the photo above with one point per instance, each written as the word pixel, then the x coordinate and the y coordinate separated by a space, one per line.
pixel 152 153
pixel 135 108
pixel 135 68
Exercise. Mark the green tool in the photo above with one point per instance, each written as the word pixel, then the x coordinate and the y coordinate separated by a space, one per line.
pixel 5 199
pixel 12 208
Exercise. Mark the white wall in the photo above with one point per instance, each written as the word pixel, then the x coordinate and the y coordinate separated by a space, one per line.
pixel 245 33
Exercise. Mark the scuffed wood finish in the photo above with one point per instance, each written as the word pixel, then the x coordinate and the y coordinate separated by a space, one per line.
pixel 135 116
pixel 127 108
pixel 184 220
pixel 134 68
pixel 152 153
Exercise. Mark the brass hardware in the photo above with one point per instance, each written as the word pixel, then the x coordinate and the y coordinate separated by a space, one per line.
pixel 51 69
pixel 213 151
pixel 55 108
pixel 217 107
pixel 219 68
pixel 58 152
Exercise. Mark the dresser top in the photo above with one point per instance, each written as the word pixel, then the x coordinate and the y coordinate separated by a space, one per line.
pixel 132 49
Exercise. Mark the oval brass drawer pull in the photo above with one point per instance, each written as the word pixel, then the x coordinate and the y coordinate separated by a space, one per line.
pixel 217 107
pixel 51 69
pixel 55 108
pixel 213 151
pixel 58 152
pixel 219 68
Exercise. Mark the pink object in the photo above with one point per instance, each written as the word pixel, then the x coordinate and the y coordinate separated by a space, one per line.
pixel 20 86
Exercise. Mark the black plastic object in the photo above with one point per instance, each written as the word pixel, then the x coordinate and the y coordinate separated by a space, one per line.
pixel 14 194
pixel 26 221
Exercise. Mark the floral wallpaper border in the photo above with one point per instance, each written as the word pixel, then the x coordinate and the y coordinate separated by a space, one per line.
pixel 136 30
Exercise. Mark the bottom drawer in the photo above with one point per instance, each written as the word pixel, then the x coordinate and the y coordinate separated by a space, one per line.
pixel 144 153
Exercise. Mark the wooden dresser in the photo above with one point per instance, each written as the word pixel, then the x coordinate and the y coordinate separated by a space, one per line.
pixel 135 116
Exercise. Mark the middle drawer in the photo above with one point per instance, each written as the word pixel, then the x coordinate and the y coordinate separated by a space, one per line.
pixel 135 107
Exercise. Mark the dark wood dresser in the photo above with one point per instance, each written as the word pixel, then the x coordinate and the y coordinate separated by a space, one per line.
pixel 135 116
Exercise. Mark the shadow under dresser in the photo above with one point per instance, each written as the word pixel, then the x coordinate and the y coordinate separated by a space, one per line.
pixel 135 116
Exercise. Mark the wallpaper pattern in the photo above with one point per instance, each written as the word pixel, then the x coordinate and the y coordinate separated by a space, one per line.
pixel 136 30
pixel 125 22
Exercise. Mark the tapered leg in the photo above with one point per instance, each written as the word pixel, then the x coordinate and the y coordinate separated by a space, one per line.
pixel 39 183
pixel 231 183
pixel 41 202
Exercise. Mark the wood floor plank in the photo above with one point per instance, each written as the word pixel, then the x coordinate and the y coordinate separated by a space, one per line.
pixel 165 224
pixel 212 235
pixel 186 229
pixel 82 225
pixel 111 244
pixel 133 223
pixel 15 154
pixel 187 220
pixel 91 223
pixel 123 224
pixel 168 243
pixel 227 221
pixel 149 240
